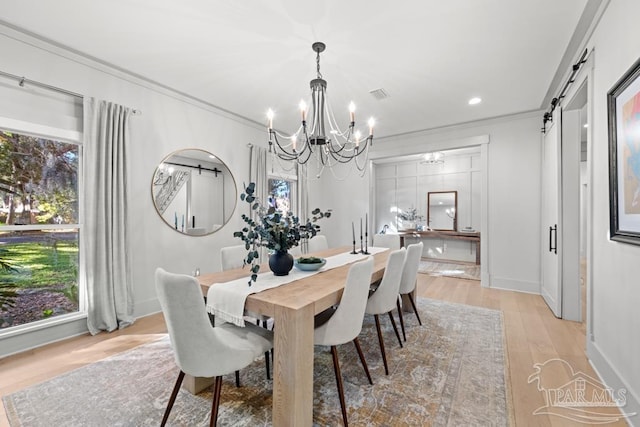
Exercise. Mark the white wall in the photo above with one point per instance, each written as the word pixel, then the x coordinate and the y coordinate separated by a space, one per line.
pixel 167 124
pixel 347 194
pixel 406 184
pixel 513 227
pixel 613 315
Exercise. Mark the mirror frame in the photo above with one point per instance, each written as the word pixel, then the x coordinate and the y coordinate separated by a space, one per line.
pixel 165 160
pixel 455 205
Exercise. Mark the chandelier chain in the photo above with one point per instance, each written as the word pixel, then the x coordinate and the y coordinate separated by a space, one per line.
pixel 318 64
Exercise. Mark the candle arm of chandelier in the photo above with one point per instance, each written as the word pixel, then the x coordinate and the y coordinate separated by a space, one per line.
pixel 343 155
pixel 335 146
pixel 333 124
pixel 301 156
pixel 332 160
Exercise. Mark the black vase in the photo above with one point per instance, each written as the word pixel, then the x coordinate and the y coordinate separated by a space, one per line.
pixel 281 263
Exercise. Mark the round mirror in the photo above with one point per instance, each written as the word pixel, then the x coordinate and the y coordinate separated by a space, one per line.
pixel 194 192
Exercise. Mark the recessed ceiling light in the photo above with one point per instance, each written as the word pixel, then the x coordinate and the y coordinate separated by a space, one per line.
pixel 475 100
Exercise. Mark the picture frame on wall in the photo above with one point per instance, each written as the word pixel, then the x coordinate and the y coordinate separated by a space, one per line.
pixel 623 106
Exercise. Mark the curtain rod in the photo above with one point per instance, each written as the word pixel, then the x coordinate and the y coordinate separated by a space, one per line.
pixel 22 80
pixel 199 167
pixel 548 116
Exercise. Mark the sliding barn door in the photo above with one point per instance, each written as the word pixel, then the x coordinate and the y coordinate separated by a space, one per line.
pixel 551 283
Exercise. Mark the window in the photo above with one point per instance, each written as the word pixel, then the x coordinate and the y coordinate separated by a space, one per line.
pixel 39 229
pixel 281 194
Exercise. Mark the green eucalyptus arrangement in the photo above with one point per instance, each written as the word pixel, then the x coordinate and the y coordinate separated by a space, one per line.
pixel 273 229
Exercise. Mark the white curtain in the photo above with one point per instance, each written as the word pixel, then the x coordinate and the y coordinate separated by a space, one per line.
pixel 303 193
pixel 258 174
pixel 303 202
pixel 104 233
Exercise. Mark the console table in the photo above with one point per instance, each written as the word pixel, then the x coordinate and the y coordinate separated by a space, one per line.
pixel 448 235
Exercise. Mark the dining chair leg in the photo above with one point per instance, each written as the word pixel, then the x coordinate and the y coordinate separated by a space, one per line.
pixel 267 356
pixel 356 342
pixel 381 341
pixel 216 401
pixel 172 399
pixel 237 378
pixel 395 328
pixel 415 310
pixel 336 368
pixel 401 318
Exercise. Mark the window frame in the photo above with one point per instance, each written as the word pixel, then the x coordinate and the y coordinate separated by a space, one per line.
pixel 293 195
pixel 69 137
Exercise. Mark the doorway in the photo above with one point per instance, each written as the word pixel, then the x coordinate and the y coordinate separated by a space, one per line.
pixel 575 202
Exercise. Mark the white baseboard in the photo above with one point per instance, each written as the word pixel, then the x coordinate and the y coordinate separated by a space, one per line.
pixel 515 285
pixel 21 341
pixel 37 337
pixel 609 376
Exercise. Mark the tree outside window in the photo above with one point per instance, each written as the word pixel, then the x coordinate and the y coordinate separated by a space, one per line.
pixel 39 228
pixel 280 194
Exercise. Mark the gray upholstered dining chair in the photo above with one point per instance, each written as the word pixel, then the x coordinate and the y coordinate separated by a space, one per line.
pixel 383 299
pixel 296 251
pixel 317 243
pixel 233 257
pixel 346 322
pixel 408 281
pixel 199 349
pixel 391 241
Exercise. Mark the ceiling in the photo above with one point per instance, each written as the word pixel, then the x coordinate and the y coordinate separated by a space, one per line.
pixel 248 56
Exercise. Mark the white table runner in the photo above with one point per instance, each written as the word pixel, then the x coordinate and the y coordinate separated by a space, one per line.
pixel 226 300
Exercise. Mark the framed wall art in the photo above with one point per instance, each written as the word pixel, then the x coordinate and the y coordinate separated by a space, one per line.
pixel 623 105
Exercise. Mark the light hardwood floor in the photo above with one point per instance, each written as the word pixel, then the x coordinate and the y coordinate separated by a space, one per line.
pixel 533 335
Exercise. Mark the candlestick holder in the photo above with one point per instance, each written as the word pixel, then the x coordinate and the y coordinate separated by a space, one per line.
pixel 365 251
pixel 354 252
pixel 353 230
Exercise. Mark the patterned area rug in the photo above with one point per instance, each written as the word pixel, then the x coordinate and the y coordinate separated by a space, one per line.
pixel 451 372
pixel 460 271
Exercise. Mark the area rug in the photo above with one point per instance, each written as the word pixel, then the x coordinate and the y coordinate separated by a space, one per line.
pixel 460 271
pixel 451 372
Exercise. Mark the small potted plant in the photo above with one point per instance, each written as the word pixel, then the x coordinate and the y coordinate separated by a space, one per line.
pixel 270 228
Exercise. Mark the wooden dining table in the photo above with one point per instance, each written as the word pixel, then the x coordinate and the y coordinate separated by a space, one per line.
pixel 293 307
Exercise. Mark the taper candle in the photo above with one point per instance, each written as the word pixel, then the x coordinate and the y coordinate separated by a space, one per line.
pixel 366 233
pixel 353 230
pixel 361 250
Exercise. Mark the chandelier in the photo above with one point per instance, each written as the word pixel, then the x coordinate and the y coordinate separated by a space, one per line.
pixel 312 139
pixel 435 158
